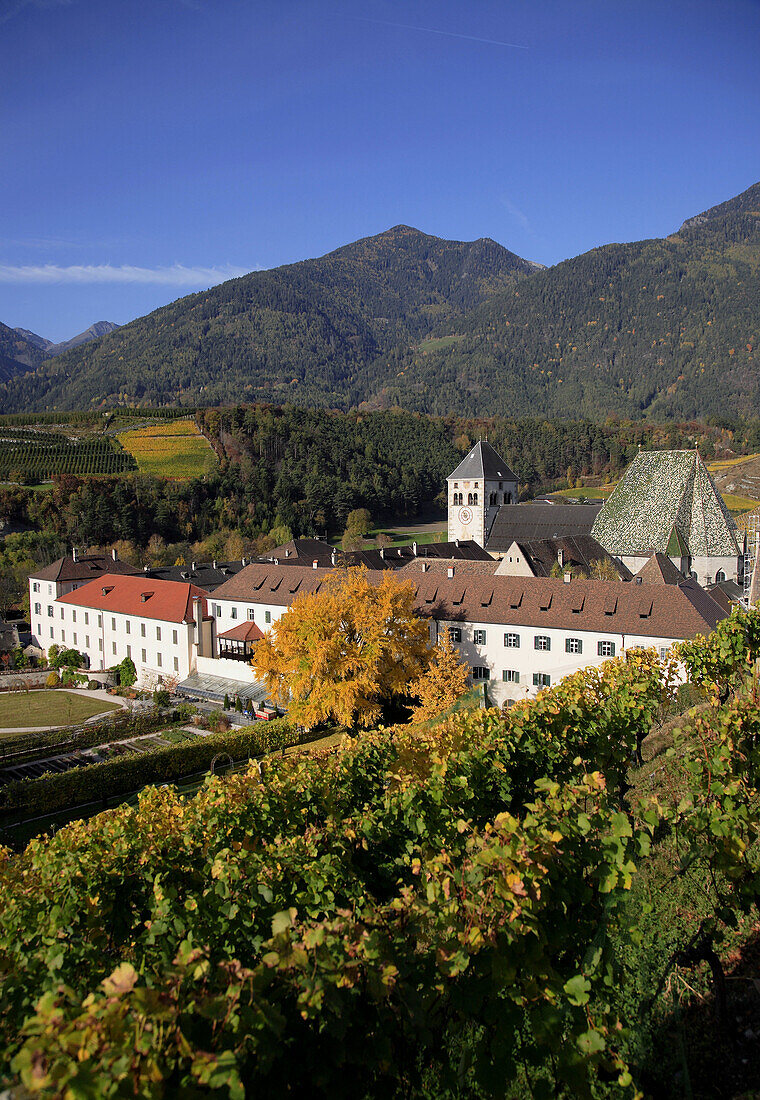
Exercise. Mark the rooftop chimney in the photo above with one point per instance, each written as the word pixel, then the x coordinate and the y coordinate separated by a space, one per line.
pixel 114 555
pixel 414 549
pixel 450 571
pixel 193 567
pixel 382 552
pixel 198 617
pixel 287 552
pixel 75 553
pixel 456 542
pixel 146 568
pixel 567 577
pixel 425 566
pixel 214 564
pixel 242 561
pixel 560 556
pixel 315 564
pixel 334 557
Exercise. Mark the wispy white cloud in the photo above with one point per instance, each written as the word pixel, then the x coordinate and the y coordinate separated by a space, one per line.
pixel 447 34
pixel 13 7
pixel 515 213
pixel 176 275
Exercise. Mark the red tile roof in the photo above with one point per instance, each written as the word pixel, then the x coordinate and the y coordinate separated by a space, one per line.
pixel 141 596
pixel 243 632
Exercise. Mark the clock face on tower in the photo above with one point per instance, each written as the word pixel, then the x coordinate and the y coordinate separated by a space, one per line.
pixel 465 516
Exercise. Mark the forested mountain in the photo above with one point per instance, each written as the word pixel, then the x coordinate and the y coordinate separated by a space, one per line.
pixel 301 332
pixel 34 338
pixel 17 354
pixel 660 328
pixel 664 328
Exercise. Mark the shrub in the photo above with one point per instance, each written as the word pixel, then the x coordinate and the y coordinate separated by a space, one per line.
pixel 70 678
pixel 161 698
pixel 52 681
pixel 126 673
pixel 217 721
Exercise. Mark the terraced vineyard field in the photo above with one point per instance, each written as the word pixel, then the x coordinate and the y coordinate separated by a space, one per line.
pixel 29 455
pixel 176 449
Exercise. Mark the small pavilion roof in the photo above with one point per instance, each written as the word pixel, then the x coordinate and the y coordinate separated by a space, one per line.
pixel 243 632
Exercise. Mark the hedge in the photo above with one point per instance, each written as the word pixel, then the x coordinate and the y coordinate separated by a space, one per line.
pixel 121 724
pixel 65 790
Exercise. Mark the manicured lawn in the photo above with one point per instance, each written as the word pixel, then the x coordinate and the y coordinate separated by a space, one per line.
pixel 175 449
pixel 48 708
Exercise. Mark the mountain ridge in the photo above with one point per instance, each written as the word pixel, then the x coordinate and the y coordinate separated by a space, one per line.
pixel 312 326
pixel 660 328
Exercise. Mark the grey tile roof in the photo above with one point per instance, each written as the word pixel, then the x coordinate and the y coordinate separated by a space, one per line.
pixel 578 551
pixel 483 462
pixel 659 570
pixel 207 575
pixel 84 568
pixel 605 607
pixel 536 520
pixel 656 611
pixel 666 495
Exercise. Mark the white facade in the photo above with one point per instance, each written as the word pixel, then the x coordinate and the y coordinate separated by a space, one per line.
pixel 232 612
pixel 705 570
pixel 160 650
pixel 516 662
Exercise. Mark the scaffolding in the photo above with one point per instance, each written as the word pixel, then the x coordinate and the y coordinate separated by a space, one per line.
pixel 751 526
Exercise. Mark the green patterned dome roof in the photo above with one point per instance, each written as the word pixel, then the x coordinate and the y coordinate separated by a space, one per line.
pixel 668 503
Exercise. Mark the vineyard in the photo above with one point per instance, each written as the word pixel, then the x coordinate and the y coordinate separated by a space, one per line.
pixel 177 449
pixel 27 455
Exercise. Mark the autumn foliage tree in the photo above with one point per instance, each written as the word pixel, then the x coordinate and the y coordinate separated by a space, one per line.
pixel 341 653
pixel 442 683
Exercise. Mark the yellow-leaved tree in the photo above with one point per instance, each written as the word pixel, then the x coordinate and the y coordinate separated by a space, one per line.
pixel 343 652
pixel 442 683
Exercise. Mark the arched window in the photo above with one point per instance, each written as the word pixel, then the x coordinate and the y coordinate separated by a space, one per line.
pixel 507 498
pixel 474 498
pixel 720 576
pixel 492 499
pixel 469 498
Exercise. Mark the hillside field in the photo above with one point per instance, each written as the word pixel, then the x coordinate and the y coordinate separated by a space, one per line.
pixel 176 450
pixel 738 481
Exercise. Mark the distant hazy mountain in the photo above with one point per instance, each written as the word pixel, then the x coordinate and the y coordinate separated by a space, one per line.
pixel 306 332
pixel 94 332
pixel 18 355
pixel 32 338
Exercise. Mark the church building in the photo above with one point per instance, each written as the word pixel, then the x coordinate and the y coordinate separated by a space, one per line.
pixel 478 487
pixel 667 503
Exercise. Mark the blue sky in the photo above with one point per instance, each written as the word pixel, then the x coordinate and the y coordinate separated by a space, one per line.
pixel 154 147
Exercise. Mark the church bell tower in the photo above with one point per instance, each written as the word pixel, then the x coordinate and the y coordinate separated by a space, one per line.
pixel 478 487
